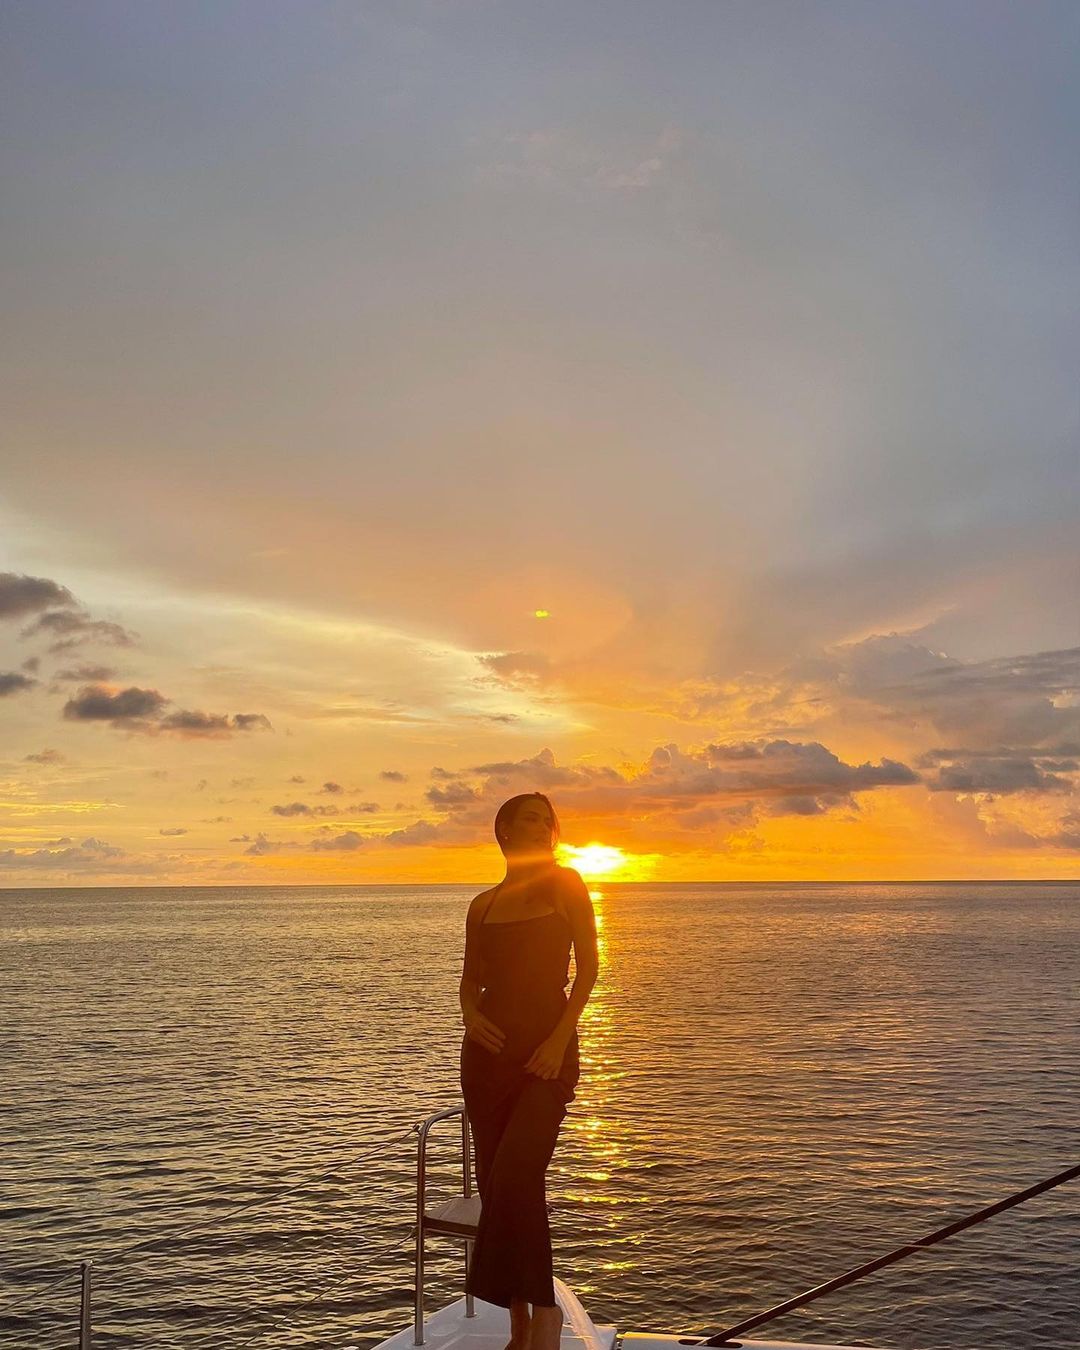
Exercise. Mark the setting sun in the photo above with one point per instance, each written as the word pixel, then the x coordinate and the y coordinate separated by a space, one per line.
pixel 603 860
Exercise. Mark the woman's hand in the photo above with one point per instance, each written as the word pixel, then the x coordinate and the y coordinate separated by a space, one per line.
pixel 484 1032
pixel 547 1058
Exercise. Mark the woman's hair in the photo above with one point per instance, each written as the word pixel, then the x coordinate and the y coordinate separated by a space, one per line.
pixel 506 813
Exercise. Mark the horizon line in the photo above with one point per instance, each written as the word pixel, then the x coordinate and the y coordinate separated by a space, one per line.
pixel 429 885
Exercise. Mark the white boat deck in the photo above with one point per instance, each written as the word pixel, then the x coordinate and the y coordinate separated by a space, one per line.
pixel 488 1329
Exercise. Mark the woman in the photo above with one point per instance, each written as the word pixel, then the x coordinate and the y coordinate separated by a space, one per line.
pixel 519 1058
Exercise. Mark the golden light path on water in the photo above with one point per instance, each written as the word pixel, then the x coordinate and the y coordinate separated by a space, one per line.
pixel 598 1133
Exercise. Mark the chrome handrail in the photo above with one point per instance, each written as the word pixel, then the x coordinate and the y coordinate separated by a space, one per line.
pixel 85 1285
pixel 421 1179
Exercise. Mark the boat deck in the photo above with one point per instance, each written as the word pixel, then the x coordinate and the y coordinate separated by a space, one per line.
pixel 488 1329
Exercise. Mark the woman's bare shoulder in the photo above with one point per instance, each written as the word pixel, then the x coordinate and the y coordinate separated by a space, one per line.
pixel 478 902
pixel 571 888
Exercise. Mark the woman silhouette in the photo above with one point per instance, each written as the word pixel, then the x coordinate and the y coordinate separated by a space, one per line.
pixel 519 1058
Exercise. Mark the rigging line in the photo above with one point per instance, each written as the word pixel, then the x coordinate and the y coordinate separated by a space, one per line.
pixel 326 1290
pixel 250 1204
pixel 70 1274
pixel 145 1243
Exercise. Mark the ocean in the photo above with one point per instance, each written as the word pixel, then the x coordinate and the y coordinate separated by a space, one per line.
pixel 778 1083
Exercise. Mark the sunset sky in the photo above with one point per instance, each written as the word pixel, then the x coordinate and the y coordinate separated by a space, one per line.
pixel 669 407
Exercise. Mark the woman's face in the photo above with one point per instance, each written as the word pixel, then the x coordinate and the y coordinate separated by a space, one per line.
pixel 530 831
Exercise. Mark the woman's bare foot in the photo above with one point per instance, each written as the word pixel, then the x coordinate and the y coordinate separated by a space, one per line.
pixel 546 1329
pixel 519 1325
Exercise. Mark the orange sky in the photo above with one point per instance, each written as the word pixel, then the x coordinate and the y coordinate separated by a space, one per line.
pixel 203 740
pixel 407 409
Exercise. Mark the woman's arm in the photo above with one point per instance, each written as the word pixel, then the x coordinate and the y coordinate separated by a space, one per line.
pixel 586 958
pixel 477 1027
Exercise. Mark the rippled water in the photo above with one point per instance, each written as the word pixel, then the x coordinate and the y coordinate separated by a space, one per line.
pixel 778 1083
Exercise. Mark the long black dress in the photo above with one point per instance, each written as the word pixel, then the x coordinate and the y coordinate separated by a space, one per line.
pixel 523 966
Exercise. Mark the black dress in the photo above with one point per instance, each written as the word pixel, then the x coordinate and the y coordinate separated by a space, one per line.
pixel 523 967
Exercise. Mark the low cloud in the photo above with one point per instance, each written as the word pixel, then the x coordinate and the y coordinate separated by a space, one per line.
pixel 64 854
pixel 683 793
pixel 332 788
pixel 1028 700
pixel 70 629
pixel 21 595
pixel 179 829
pixel 45 757
pixel 251 722
pixel 514 666
pixel 393 776
pixel 143 710
pixel 261 846
pixel 453 796
pixel 303 809
pixel 420 832
pixel 86 674
pixel 340 843
pixel 1001 773
pixel 11 682
pixel 125 707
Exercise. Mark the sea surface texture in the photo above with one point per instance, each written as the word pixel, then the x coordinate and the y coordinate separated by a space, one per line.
pixel 778 1084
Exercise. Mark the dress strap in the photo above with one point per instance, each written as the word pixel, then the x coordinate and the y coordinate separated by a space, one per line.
pixel 487 907
pixel 556 903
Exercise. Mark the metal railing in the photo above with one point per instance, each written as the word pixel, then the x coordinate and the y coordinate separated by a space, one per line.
pixel 800 1300
pixel 422 1222
pixel 86 1267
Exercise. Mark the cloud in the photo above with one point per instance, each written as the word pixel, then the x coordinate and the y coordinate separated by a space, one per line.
pixel 303 809
pixel 45 757
pixel 680 792
pixel 179 829
pixel 297 778
pixel 341 843
pixel 964 771
pixel 421 832
pixel 513 666
pixel 261 846
pixel 76 630
pixel 21 595
pixel 11 682
pixel 332 788
pixel 393 776
pixel 192 722
pixel 452 797
pixel 126 707
pixel 1067 835
pixel 143 710
pixel 86 674
pixel 91 853
pixel 251 722
pixel 1031 699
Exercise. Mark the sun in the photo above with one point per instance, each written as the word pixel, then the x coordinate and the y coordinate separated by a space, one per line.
pixel 596 860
